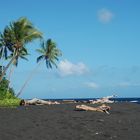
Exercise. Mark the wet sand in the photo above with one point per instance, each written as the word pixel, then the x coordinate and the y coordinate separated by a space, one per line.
pixel 62 122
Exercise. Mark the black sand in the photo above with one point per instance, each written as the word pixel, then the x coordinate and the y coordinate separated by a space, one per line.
pixel 62 122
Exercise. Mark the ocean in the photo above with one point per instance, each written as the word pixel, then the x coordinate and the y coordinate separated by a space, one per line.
pixel 133 100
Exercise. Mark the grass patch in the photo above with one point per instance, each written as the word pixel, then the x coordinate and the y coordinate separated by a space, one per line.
pixel 10 102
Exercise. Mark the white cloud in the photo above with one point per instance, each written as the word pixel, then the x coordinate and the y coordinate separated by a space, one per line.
pixel 105 16
pixel 66 68
pixel 92 85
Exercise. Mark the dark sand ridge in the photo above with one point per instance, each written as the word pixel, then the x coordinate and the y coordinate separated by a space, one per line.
pixel 62 122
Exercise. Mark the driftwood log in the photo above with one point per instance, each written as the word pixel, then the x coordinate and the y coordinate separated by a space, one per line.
pixel 102 108
pixel 36 101
pixel 103 100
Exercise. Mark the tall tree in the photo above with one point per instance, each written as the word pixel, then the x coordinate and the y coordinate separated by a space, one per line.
pixel 22 54
pixel 19 33
pixel 49 54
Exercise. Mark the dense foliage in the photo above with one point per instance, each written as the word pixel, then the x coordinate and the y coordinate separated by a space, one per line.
pixel 5 91
pixel 7 95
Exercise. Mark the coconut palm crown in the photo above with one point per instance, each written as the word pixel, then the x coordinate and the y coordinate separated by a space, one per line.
pixel 23 32
pixel 49 52
pixel 16 36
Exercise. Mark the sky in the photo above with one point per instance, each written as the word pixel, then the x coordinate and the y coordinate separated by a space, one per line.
pixel 99 40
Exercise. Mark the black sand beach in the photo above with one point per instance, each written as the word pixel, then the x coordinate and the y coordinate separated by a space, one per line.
pixel 62 122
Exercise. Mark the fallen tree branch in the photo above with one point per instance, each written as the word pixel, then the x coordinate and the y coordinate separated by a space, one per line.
pixel 102 108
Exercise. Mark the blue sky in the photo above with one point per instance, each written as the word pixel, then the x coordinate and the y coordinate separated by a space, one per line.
pixel 100 42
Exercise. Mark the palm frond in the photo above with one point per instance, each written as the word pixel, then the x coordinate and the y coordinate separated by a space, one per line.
pixel 32 35
pixel 53 62
pixel 40 58
pixel 48 64
pixel 22 57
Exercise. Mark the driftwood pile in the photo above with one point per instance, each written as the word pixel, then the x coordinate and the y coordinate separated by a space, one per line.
pixel 101 108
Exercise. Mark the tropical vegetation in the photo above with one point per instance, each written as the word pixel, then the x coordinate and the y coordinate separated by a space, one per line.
pixel 15 37
pixel 7 95
pixel 13 46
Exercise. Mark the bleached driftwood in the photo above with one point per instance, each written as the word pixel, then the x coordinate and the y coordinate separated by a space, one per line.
pixel 36 101
pixel 102 108
pixel 103 100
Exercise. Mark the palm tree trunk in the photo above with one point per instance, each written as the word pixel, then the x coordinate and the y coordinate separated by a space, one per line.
pixel 10 74
pixel 6 68
pixel 2 59
pixel 28 79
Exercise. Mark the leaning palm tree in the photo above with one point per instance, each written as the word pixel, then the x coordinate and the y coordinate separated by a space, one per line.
pixel 19 33
pixel 49 54
pixel 22 55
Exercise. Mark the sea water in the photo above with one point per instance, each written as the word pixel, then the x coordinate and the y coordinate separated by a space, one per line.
pixel 133 100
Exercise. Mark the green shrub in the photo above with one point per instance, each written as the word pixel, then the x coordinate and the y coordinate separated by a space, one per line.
pixel 7 95
pixel 10 102
pixel 5 91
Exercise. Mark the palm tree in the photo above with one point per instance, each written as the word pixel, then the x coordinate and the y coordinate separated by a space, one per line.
pixel 22 54
pixel 19 33
pixel 49 53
